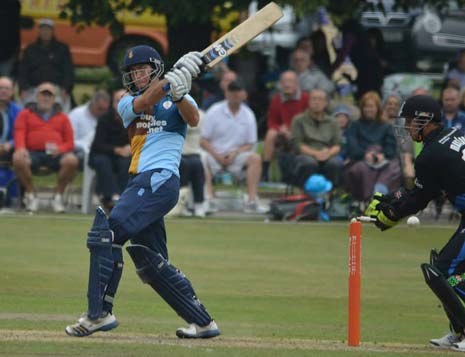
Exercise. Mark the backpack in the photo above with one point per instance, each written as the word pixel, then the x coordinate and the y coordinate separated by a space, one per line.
pixel 339 207
pixel 295 208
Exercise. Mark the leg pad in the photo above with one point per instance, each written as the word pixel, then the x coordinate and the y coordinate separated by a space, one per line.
pixel 445 293
pixel 99 242
pixel 169 283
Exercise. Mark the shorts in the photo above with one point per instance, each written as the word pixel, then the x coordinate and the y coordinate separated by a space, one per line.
pixel 236 168
pixel 40 159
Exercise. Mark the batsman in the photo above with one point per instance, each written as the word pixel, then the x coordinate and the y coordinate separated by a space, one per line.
pixel 440 169
pixel 156 112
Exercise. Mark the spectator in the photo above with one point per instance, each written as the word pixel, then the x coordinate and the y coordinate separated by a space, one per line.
pixel 355 44
pixel 84 121
pixel 44 138
pixel 317 139
pixel 229 135
pixel 457 73
pixel 320 55
pixel 391 106
pixel 290 101
pixel 226 77
pixel 377 44
pixel 191 168
pixel 305 43
pixel 372 151
pixel 405 147
pixel 310 76
pixel 343 116
pixel 420 91
pixel 46 60
pixel 8 112
pixel 110 153
pixel 9 36
pixel 462 102
pixel 452 116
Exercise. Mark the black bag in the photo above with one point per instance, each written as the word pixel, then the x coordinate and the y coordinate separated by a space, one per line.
pixel 295 208
pixel 339 207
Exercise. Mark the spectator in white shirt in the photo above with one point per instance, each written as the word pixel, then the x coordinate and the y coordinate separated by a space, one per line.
pixel 84 121
pixel 229 134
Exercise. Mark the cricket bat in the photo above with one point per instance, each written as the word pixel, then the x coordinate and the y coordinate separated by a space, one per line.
pixel 241 34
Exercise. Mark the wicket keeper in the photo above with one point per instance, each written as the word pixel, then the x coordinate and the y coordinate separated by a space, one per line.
pixel 440 168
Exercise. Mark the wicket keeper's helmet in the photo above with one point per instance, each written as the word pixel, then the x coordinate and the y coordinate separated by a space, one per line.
pixel 421 109
pixel 140 55
pixel 423 106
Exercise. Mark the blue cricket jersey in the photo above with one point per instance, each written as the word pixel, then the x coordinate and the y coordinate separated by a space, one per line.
pixel 156 138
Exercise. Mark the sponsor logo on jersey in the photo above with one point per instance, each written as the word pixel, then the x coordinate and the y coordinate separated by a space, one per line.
pixel 149 124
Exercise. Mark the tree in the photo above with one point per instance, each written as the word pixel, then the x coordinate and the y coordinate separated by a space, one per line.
pixel 190 24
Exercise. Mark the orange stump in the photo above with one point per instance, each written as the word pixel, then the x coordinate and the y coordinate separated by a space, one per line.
pixel 355 237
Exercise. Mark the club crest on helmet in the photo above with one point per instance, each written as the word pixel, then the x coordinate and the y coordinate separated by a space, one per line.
pixel 141 55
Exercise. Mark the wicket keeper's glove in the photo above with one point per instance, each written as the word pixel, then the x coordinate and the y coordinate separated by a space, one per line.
pixel 385 214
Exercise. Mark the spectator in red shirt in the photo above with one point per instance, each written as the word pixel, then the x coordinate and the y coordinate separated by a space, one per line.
pixel 290 100
pixel 43 137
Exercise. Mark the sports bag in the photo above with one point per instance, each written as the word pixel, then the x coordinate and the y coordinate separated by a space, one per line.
pixel 295 208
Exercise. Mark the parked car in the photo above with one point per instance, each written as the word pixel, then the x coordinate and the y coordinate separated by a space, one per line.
pixel 438 36
pixel 396 27
pixel 420 39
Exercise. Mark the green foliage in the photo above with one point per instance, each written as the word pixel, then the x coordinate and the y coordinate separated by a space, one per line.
pixel 181 12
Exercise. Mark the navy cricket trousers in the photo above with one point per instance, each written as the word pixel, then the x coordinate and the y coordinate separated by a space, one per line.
pixel 138 214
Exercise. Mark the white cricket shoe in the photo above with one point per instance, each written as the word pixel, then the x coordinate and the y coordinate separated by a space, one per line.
pixel 57 204
pixel 199 210
pixel 31 202
pixel 459 346
pixel 448 341
pixel 196 331
pixel 86 326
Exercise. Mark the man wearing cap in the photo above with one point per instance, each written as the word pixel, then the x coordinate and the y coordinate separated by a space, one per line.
pixel 440 168
pixel 46 60
pixel 229 134
pixel 43 137
pixel 286 104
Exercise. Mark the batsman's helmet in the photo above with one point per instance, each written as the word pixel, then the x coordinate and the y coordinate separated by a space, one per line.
pixel 140 55
pixel 421 109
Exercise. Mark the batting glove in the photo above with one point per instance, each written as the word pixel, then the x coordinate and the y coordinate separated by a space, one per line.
pixel 385 214
pixel 180 82
pixel 192 62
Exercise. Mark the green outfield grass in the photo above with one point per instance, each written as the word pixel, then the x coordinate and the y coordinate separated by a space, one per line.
pixel 274 289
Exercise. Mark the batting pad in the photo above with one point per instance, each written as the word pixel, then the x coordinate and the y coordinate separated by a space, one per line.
pixel 99 242
pixel 170 283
